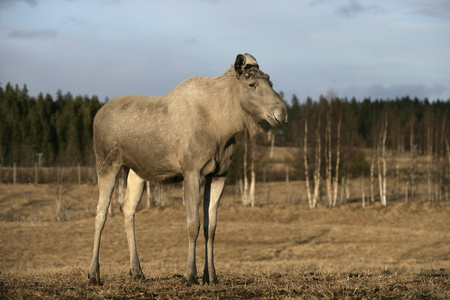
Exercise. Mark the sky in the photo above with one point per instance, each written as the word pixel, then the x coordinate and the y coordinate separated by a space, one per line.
pixel 376 48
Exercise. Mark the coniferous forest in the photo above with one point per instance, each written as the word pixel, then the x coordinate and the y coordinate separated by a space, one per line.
pixel 60 129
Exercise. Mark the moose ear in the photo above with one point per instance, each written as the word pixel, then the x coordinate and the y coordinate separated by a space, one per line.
pixel 239 65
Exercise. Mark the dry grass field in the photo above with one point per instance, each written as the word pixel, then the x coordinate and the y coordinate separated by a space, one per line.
pixel 277 250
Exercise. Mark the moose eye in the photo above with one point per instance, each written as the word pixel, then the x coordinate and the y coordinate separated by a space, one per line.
pixel 247 75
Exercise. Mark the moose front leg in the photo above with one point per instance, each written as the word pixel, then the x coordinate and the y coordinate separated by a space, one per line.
pixel 191 198
pixel 213 192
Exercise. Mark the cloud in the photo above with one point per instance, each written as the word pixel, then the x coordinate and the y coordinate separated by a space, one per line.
pixel 31 2
pixel 33 34
pixel 9 3
pixel 354 7
pixel 436 9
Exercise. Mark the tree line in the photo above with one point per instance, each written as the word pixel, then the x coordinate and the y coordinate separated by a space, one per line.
pixel 56 131
pixel 336 139
pixel 61 129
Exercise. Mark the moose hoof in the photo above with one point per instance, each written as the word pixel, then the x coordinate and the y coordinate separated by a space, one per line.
pixel 138 276
pixel 94 280
pixel 191 280
pixel 210 281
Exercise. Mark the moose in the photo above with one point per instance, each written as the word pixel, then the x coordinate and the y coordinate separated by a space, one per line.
pixel 186 135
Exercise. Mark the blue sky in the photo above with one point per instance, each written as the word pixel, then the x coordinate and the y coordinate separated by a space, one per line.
pixel 376 49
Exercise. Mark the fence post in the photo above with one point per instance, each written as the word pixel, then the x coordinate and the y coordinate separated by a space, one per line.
pixel 35 173
pixel 14 173
pixel 79 174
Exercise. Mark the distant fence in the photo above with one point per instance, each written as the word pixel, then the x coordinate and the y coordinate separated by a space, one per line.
pixel 76 174
pixel 87 174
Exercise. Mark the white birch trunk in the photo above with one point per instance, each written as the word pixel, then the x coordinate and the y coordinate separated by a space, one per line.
pixel 244 195
pixel 338 157
pixel 372 181
pixel 305 157
pixel 383 196
pixel 253 176
pixel 317 166
pixel 328 158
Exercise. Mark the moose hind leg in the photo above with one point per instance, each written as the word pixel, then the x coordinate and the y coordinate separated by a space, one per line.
pixel 106 183
pixel 213 192
pixel 191 196
pixel 134 194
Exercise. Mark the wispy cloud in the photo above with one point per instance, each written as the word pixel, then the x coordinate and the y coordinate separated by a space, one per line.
pixel 32 34
pixel 9 3
pixel 354 7
pixel 437 9
pixel 31 2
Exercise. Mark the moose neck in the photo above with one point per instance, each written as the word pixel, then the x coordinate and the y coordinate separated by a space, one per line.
pixel 230 118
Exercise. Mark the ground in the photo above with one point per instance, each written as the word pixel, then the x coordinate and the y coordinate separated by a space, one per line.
pixel 278 249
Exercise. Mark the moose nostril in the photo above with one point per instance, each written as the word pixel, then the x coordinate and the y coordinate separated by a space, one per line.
pixel 280 116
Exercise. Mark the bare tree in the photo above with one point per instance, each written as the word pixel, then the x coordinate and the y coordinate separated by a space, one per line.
pixel 382 161
pixel 248 192
pixel 317 163
pixel 244 193
pixel 251 196
pixel 305 157
pixel 328 157
pixel 338 157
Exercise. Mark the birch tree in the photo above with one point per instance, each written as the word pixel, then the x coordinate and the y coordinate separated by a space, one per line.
pixel 251 196
pixel 317 163
pixel 382 161
pixel 305 157
pixel 338 158
pixel 244 192
pixel 248 192
pixel 328 157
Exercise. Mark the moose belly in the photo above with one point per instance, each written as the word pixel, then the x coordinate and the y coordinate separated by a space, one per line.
pixel 153 167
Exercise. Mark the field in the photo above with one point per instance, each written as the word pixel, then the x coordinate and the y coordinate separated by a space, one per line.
pixel 279 249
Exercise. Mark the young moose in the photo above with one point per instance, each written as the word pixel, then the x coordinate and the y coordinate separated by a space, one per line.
pixel 188 134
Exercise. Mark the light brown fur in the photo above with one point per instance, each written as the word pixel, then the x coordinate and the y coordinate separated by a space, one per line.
pixel 185 135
